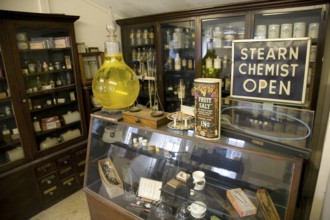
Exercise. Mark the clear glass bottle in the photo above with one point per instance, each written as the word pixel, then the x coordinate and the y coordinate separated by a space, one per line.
pixel 178 38
pixel 145 36
pixel 138 37
pixel 114 85
pixel 151 36
pixel 177 62
pixel 208 70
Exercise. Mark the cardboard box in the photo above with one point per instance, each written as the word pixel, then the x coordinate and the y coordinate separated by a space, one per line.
pixel 50 123
pixel 143 117
pixel 241 202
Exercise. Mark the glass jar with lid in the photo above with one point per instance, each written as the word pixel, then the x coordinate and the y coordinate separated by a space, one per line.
pixel 178 38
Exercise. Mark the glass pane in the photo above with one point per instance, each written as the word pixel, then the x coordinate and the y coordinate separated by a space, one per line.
pixel 10 143
pixel 140 54
pixel 178 48
pixel 218 34
pixel 288 24
pixel 49 80
pixel 134 153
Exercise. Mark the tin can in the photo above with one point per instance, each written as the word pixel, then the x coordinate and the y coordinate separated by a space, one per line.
pixel 207 108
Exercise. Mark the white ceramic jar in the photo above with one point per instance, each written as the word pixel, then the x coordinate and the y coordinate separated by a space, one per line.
pixel 286 30
pixel 273 31
pixel 48 143
pixel 70 134
pixel 15 154
pixel 71 117
pixel 299 29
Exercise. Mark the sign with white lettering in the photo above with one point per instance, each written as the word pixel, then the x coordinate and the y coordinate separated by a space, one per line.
pixel 271 69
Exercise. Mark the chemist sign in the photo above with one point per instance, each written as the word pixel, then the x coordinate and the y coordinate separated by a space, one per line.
pixel 271 69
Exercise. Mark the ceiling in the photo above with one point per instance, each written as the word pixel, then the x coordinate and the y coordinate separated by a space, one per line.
pixel 135 8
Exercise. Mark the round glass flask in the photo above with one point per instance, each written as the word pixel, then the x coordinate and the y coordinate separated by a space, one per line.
pixel 114 85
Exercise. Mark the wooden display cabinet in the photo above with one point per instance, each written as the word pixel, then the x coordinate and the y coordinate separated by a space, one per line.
pixel 40 86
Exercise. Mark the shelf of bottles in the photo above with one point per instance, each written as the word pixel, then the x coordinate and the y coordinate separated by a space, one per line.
pixel 139 43
pixel 292 24
pixel 50 85
pixel 10 144
pixel 178 48
pixel 217 38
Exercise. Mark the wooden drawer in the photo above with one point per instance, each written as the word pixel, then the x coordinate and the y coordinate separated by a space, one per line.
pixel 50 192
pixel 81 176
pixel 69 183
pixel 66 171
pixel 48 181
pixel 45 169
pixel 63 161
pixel 81 165
pixel 80 154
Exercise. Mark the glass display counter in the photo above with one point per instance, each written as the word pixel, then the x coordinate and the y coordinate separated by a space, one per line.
pixel 135 172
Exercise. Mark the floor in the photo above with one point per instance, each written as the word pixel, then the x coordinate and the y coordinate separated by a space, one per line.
pixel 73 207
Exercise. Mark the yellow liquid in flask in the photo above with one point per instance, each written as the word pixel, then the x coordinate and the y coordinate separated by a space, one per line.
pixel 113 84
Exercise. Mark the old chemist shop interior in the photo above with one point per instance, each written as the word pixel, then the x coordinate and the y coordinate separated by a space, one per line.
pixel 165 109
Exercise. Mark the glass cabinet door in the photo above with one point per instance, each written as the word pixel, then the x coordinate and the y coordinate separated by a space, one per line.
pixel 295 23
pixel 140 54
pixel 47 82
pixel 217 36
pixel 11 148
pixel 178 63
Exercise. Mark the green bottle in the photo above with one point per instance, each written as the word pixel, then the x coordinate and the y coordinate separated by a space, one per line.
pixel 208 70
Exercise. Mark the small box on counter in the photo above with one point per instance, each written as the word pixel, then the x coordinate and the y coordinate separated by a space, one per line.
pixel 50 123
pixel 241 202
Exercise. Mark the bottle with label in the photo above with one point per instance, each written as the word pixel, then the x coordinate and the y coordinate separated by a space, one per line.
pixel 138 37
pixel 217 67
pixel 6 134
pixel 36 124
pixel 226 73
pixel 208 70
pixel 169 64
pixel 177 38
pixel 145 36
pixel 132 37
pixel 177 62
pixel 151 36
pixel 187 36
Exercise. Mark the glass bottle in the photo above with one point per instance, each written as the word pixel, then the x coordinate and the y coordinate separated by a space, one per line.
pixel 114 85
pixel 177 38
pixel 208 70
pixel 145 36
pixel 6 134
pixel 177 62
pixel 36 124
pixel 138 37
pixel 151 35
pixel 187 36
pixel 132 37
